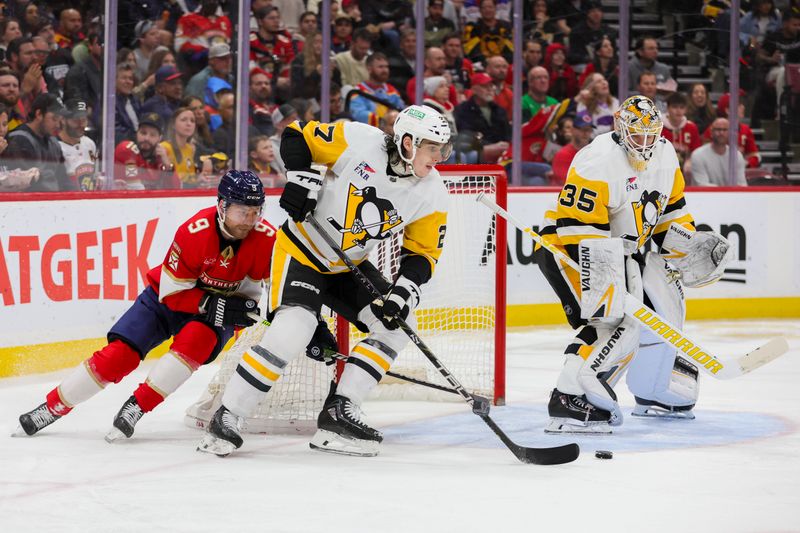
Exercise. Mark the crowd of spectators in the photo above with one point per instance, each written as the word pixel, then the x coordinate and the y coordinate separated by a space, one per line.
pixel 176 89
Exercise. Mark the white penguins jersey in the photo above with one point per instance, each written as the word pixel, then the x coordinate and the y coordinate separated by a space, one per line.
pixel 361 202
pixel 604 197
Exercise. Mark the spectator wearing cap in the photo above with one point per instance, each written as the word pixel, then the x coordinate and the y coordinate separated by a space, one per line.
pixel 271 47
pixel 436 26
pixel 435 65
pixel 710 162
pixel 459 67
pixel 596 98
pixel 480 115
pixel 536 97
pixel 488 36
pixel 646 60
pixel 563 80
pixel 220 64
pixel 126 107
pixel 144 163
pixel 79 151
pixel 681 131
pixel 342 35
pixel 281 117
pixel 352 64
pixel 196 32
pixel 582 134
pixel 403 60
pixel 368 111
pixel 261 103
pixel 169 91
pixel 587 32
pixel 224 135
pixel 70 24
pixel 84 80
pixel 34 144
pixel 147 41
pixel 747 139
pixel 162 56
pixel 306 70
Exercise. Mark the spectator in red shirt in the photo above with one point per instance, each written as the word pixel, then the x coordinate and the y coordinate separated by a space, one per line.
pixel 144 164
pixel 563 80
pixel 747 140
pixel 497 69
pixel 435 65
pixel 681 131
pixel 270 47
pixel 196 32
pixel 582 133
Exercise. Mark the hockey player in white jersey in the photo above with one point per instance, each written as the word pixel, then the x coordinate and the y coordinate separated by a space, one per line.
pixel 623 190
pixel 375 186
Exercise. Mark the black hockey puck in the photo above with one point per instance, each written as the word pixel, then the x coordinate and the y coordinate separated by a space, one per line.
pixel 603 454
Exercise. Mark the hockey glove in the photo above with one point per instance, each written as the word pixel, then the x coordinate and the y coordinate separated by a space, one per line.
pixel 222 311
pixel 398 303
pixel 322 343
pixel 299 197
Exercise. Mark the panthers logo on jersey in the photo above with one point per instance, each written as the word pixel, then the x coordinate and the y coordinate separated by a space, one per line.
pixel 645 213
pixel 366 217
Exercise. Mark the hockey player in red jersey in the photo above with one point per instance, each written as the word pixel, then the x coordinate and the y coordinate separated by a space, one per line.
pixel 208 285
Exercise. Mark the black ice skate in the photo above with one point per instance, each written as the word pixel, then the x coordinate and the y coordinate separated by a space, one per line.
pixel 570 413
pixel 340 430
pixel 125 421
pixel 654 409
pixel 33 421
pixel 223 434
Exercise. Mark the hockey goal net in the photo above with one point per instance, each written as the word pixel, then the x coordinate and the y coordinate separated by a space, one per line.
pixel 461 318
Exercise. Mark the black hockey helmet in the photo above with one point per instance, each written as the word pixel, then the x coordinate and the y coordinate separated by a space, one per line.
pixel 241 187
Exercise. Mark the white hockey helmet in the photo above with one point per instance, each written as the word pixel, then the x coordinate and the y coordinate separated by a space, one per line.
pixel 422 123
pixel 638 125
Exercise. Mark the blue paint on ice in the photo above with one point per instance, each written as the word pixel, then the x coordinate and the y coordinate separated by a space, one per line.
pixel 524 423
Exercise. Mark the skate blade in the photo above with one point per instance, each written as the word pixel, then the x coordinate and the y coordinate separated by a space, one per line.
pixel 327 441
pixel 570 426
pixel 213 445
pixel 114 435
pixel 19 432
pixel 648 411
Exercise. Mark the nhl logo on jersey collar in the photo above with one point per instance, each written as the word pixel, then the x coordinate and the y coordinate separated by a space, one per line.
pixel 364 171
pixel 631 185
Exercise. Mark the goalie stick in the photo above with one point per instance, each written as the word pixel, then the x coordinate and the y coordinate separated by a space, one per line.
pixel 714 365
pixel 480 406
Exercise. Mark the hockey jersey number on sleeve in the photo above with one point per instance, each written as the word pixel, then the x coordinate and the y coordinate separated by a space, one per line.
pixel 326 142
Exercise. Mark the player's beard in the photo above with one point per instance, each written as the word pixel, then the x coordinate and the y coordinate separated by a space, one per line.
pixel 238 232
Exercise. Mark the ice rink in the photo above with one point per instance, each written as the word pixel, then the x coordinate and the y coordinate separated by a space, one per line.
pixel 733 469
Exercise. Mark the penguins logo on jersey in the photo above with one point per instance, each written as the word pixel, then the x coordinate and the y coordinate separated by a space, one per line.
pixel 646 212
pixel 366 217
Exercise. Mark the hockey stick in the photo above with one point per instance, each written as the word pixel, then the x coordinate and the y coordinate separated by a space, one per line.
pixel 343 357
pixel 713 365
pixel 480 406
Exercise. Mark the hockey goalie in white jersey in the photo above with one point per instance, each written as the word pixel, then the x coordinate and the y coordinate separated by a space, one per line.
pixel 376 186
pixel 623 190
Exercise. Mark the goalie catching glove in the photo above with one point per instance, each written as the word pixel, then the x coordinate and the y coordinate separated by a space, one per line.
pixel 299 197
pixel 398 303
pixel 700 256
pixel 222 311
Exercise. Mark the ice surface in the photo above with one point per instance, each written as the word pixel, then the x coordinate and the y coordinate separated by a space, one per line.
pixel 735 468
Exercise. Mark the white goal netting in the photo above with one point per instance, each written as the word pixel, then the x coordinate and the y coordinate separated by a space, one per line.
pixel 457 319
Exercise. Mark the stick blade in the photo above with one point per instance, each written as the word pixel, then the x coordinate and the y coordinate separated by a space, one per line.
pixel 558 455
pixel 763 354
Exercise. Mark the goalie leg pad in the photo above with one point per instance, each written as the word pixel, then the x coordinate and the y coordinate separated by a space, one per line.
pixel 263 364
pixel 656 375
pixel 371 358
pixel 602 275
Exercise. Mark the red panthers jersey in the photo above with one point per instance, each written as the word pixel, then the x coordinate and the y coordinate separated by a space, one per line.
pixel 200 260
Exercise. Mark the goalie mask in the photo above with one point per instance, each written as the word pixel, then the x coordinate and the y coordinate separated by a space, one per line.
pixel 422 123
pixel 638 127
